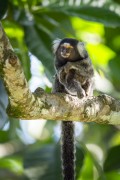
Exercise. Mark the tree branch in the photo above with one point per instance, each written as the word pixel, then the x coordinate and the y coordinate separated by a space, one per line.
pixel 24 104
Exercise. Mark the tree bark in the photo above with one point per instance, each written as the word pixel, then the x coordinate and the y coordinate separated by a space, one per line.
pixel 24 104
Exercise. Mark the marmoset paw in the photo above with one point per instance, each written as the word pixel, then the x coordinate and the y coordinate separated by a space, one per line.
pixel 81 94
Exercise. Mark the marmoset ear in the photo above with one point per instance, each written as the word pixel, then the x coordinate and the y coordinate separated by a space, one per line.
pixel 56 43
pixel 81 49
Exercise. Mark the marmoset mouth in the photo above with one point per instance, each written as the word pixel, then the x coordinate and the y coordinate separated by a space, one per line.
pixel 65 55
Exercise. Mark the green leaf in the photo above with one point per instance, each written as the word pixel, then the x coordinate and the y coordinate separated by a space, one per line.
pixel 87 170
pixel 97 14
pixel 80 156
pixel 38 42
pixel 4 136
pixel 102 15
pixel 90 165
pixel 112 175
pixel 24 57
pixel 114 65
pixel 62 23
pixel 117 1
pixel 22 16
pixel 12 163
pixel 112 161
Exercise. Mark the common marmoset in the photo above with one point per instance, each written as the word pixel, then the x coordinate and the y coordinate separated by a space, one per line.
pixel 74 75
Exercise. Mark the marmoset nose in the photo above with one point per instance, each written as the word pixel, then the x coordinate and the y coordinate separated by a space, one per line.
pixel 64 51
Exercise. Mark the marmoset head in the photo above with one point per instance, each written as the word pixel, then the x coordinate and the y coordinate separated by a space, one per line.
pixel 69 49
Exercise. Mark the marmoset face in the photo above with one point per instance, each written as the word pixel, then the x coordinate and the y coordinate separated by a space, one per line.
pixel 69 49
pixel 66 49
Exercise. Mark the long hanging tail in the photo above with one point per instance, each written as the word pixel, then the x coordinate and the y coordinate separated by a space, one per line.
pixel 68 150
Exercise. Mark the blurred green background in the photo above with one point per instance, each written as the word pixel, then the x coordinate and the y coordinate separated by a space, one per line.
pixel 30 149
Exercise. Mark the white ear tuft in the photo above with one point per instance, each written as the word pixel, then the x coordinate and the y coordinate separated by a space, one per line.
pixel 56 43
pixel 81 49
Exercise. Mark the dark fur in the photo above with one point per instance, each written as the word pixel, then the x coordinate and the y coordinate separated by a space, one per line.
pixel 75 56
pixel 74 75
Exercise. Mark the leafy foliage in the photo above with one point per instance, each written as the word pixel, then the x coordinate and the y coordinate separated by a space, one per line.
pixel 31 27
pixel 112 160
